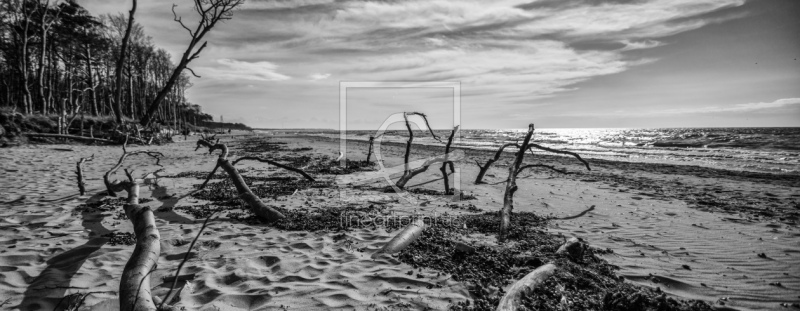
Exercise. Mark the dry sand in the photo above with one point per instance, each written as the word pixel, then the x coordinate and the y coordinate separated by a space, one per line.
pixel 49 249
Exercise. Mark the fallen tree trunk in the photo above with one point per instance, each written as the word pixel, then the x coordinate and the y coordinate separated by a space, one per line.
pixel 400 241
pixel 258 207
pixel 70 137
pixel 134 287
pixel 485 167
pixel 511 301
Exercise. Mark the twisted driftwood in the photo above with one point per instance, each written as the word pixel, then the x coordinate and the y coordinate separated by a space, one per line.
pixel 116 186
pixel 258 207
pixel 408 173
pixel 134 286
pixel 561 152
pixel 485 167
pixel 447 162
pixel 511 182
pixel 511 301
pixel 79 173
pixel 288 168
pixel 516 167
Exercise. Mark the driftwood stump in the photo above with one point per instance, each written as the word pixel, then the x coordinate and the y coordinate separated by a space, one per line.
pixel 511 301
pixel 79 173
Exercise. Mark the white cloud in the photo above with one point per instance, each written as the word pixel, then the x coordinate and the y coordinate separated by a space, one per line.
pixel 750 107
pixel 764 107
pixel 638 45
pixel 231 69
pixel 319 76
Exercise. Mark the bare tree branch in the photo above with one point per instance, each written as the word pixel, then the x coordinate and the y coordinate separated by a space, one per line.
pixel 485 167
pixel 511 183
pixel 192 71
pixel 541 165
pixel 113 187
pixel 168 297
pixel 178 19
pixel 562 152
pixel 296 170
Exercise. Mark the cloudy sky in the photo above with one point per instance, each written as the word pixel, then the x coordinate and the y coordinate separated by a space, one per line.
pixel 557 63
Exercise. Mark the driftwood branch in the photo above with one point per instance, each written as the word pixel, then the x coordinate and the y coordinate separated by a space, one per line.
pixel 485 167
pixel 447 162
pixel 69 137
pixel 542 165
pixel 288 168
pixel 258 207
pixel 591 208
pixel 512 300
pixel 400 241
pixel 134 286
pixel 169 296
pixel 79 173
pixel 562 152
pixel 408 173
pixel 115 186
pixel 511 183
pixel 369 151
pixel 427 124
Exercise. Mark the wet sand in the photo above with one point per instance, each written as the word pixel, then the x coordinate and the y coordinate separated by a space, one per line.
pixel 658 220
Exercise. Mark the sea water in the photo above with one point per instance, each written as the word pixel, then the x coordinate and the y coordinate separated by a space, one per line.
pixel 774 150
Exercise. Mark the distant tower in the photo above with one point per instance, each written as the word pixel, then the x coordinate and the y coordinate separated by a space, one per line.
pixel 221 119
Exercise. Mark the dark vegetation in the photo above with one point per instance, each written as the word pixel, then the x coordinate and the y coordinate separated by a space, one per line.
pixel 64 71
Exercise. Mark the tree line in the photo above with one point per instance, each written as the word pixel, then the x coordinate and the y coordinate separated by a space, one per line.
pixel 58 59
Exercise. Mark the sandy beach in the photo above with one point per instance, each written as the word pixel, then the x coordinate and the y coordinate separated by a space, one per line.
pixel 727 238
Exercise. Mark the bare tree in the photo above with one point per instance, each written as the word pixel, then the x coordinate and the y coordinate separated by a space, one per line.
pixel 117 105
pixel 516 167
pixel 211 12
pixel 44 27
